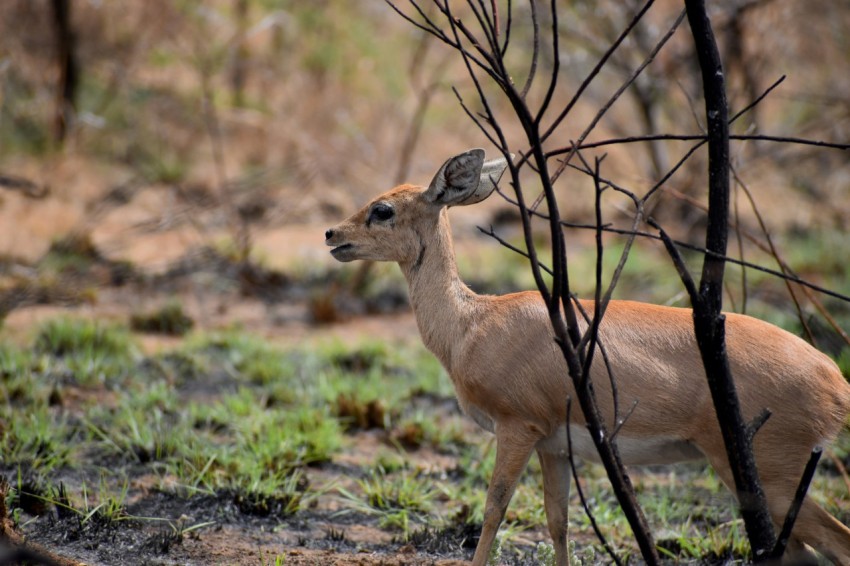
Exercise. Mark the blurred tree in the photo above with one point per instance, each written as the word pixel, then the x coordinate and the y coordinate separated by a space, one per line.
pixel 66 57
pixel 240 53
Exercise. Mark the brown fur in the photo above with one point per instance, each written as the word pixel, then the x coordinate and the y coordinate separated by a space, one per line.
pixel 510 376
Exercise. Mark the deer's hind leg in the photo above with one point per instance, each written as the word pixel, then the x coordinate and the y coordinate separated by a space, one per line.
pixel 820 530
pixel 781 464
pixel 556 499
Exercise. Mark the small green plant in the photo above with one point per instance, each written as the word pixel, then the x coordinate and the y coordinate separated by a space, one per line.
pixel 495 556
pixel 545 554
pixel 588 559
pixel 278 494
pixel 142 435
pixel 404 490
pixel 73 252
pixel 91 351
pixel 398 498
pixel 287 439
pixel 111 507
pixel 278 560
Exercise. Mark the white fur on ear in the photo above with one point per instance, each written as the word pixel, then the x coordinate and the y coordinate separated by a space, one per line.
pixel 465 179
pixel 491 172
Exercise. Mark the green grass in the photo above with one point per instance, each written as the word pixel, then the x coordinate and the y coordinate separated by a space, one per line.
pixel 38 439
pixel 231 416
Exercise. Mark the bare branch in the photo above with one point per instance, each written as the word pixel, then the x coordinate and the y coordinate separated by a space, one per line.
pixel 595 71
pixel 602 111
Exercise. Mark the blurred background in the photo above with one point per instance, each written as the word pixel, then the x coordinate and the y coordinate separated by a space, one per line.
pixel 194 152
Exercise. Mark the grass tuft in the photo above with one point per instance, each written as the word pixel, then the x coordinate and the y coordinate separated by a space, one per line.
pixel 68 337
pixel 170 319
pixel 276 495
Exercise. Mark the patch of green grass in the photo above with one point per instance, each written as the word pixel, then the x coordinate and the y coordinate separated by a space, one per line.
pixel 177 366
pixel 93 368
pixel 421 429
pixel 91 351
pixel 398 499
pixel 20 371
pixel 285 439
pixel 250 357
pixel 279 494
pixel 238 444
pixel 68 336
pixel 37 439
pixel 141 434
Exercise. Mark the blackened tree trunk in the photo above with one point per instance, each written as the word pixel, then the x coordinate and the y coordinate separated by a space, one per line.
pixel 709 322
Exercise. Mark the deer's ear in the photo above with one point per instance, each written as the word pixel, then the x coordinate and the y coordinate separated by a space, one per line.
pixel 457 180
pixel 465 179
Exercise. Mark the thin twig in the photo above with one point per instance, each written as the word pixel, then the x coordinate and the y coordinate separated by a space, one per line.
pixel 796 504
pixel 584 503
pixel 773 251
pixel 595 71
pixel 678 262
pixel 789 274
pixel 697 137
pixel 628 82
pixel 532 71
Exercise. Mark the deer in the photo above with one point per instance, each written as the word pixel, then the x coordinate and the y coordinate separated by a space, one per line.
pixel 510 376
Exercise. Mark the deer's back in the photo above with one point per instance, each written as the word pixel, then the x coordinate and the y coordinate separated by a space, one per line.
pixel 510 362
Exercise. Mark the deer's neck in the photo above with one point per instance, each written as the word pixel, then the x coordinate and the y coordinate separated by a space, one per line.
pixel 443 305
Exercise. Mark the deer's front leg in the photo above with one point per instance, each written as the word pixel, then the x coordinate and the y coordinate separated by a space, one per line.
pixel 514 444
pixel 556 498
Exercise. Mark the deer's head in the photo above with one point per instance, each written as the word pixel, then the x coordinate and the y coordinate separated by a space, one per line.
pixel 390 227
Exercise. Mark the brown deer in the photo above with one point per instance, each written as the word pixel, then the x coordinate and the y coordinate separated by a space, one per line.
pixel 511 378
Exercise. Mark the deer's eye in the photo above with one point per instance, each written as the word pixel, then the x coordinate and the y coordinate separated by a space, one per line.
pixel 381 212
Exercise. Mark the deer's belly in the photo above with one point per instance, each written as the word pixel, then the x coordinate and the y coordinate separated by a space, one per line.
pixel 634 451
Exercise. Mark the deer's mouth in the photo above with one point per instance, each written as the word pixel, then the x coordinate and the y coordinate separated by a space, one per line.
pixel 343 252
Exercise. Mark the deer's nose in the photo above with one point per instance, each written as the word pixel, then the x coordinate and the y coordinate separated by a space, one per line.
pixel 329 233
